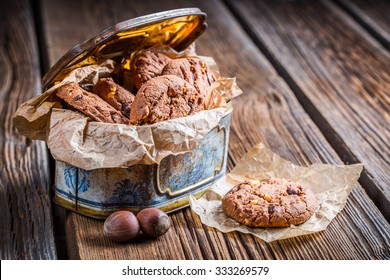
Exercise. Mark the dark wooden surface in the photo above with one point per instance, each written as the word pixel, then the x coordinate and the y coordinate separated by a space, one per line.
pixel 26 226
pixel 339 74
pixel 372 15
pixel 315 88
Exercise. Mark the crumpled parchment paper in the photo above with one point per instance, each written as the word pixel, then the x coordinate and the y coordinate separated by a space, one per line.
pixel 331 185
pixel 76 140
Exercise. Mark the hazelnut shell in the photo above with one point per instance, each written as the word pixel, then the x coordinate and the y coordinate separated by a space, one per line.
pixel 121 226
pixel 153 222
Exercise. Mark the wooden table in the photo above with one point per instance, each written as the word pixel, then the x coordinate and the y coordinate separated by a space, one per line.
pixel 316 82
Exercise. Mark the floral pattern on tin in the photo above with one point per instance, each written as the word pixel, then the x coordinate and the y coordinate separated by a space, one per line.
pixel 76 177
pixel 129 193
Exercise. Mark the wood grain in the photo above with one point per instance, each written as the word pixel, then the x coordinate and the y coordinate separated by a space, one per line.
pixel 340 76
pixel 372 15
pixel 267 111
pixel 26 226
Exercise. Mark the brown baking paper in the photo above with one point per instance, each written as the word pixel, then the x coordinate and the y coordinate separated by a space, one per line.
pixel 76 140
pixel 331 185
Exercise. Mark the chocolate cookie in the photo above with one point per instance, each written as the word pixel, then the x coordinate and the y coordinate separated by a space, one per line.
pixel 90 104
pixel 148 65
pixel 115 95
pixel 162 98
pixel 274 203
pixel 194 71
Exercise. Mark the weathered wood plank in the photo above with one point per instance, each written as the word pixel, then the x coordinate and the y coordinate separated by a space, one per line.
pixel 26 226
pixel 372 15
pixel 268 111
pixel 339 74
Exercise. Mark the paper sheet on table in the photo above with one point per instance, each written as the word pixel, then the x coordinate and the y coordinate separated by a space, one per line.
pixel 331 185
pixel 76 140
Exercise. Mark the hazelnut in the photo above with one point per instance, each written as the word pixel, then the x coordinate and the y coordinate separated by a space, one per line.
pixel 153 222
pixel 121 226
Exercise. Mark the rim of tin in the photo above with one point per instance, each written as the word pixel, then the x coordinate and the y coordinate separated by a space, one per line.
pixel 168 207
pixel 75 53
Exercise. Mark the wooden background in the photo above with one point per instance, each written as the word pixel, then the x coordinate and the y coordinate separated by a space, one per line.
pixel 316 82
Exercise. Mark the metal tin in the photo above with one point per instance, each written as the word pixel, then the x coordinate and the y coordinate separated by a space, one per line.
pixel 98 193
pixel 175 28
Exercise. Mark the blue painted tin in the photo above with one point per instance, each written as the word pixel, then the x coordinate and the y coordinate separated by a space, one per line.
pixel 98 193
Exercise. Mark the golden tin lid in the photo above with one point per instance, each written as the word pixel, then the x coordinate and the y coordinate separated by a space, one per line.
pixel 174 28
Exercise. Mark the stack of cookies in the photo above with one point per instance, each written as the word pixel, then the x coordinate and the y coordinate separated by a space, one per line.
pixel 165 88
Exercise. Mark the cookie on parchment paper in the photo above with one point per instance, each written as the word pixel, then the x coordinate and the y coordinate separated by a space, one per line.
pixel 273 203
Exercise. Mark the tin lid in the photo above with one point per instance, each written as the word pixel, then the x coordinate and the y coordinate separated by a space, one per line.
pixel 174 28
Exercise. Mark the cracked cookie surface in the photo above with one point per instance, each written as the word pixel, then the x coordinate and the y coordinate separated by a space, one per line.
pixel 115 95
pixel 164 97
pixel 148 65
pixel 273 203
pixel 194 71
pixel 90 104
